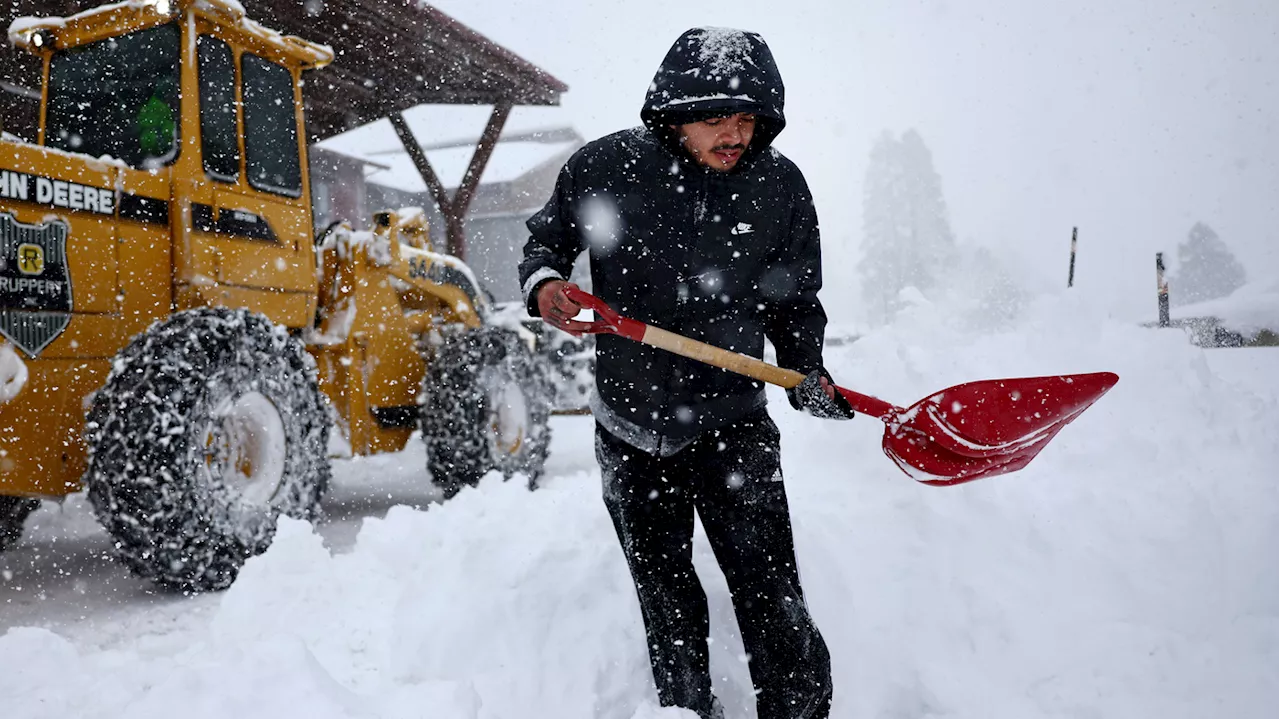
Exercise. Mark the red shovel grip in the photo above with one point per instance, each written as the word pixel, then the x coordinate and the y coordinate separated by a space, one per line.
pixel 607 320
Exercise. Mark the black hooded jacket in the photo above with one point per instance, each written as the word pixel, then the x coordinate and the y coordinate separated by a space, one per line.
pixel 728 258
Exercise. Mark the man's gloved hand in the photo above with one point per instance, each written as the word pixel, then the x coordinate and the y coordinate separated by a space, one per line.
pixel 817 395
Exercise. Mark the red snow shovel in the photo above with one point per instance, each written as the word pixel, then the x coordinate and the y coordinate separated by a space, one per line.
pixel 966 432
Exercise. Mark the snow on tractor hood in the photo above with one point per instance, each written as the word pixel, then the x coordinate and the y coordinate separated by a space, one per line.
pixel 435 267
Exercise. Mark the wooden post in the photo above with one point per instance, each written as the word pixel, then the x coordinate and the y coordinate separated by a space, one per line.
pixel 1071 271
pixel 1162 291
pixel 488 139
pixel 429 178
pixel 454 209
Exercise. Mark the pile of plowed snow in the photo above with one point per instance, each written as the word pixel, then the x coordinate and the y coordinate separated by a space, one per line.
pixel 1130 571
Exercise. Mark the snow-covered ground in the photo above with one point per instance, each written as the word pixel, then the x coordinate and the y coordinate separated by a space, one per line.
pixel 1130 571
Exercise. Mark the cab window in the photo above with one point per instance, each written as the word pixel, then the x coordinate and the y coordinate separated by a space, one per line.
pixel 270 127
pixel 218 142
pixel 117 97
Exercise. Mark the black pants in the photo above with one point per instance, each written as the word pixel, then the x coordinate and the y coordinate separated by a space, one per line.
pixel 732 477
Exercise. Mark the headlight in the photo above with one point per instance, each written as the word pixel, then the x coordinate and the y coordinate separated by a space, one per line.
pixel 161 6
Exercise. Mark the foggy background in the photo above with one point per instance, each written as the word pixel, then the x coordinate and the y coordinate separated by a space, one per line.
pixel 1131 120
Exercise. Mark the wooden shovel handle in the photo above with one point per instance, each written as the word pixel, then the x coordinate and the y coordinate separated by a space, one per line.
pixel 722 358
pixel 608 321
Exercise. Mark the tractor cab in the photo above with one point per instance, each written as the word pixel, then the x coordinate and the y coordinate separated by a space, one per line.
pixel 172 127
pixel 169 172
pixel 170 336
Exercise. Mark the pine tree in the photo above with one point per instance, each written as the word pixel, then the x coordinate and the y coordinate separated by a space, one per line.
pixel 1206 268
pixel 880 269
pixel 907 239
pixel 930 228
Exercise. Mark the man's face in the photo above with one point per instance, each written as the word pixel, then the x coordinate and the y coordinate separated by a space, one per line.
pixel 718 142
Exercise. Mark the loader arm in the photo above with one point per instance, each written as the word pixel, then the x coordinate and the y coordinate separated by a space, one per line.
pixel 445 278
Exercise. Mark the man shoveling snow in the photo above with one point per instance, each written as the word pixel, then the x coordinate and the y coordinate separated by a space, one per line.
pixel 695 224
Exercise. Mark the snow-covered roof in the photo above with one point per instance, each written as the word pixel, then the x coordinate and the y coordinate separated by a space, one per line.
pixel 1256 306
pixel 531 136
pixel 509 161
pixel 381 165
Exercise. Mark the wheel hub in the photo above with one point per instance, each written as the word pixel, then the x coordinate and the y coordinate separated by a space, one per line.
pixel 508 415
pixel 246 441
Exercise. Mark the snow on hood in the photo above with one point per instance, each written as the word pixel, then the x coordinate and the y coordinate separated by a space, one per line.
pixel 724 51
pixel 712 70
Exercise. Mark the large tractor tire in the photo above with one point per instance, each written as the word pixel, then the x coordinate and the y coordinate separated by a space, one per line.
pixel 13 513
pixel 209 426
pixel 485 405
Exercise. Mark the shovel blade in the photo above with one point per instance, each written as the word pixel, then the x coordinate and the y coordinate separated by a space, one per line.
pixel 928 463
pixel 982 429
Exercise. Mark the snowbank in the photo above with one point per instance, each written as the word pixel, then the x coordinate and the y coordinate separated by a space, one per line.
pixel 1130 571
pixel 428 616
pixel 1253 307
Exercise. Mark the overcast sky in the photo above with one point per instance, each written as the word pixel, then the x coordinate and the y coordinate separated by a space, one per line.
pixel 1132 119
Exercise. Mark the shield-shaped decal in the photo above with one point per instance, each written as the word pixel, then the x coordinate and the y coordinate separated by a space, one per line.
pixel 35 286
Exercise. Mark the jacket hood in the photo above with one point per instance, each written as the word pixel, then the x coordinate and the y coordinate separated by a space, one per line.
pixel 713 71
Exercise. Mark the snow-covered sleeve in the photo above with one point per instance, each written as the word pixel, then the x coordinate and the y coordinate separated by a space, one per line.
pixel 554 241
pixel 794 319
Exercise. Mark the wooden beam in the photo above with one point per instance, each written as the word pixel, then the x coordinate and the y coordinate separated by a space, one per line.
pixel 454 209
pixel 551 136
pixel 454 236
pixel 411 146
pixel 488 139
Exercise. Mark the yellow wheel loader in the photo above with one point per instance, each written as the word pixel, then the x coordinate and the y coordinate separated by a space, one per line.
pixel 172 336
